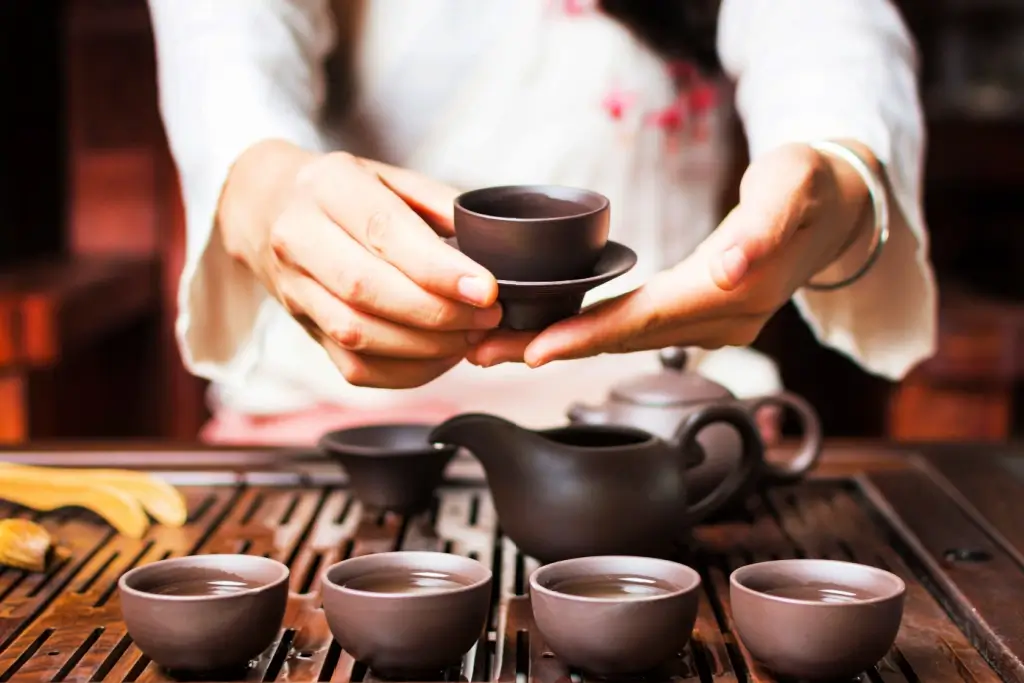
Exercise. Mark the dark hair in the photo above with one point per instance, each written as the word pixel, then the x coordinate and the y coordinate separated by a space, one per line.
pixel 677 30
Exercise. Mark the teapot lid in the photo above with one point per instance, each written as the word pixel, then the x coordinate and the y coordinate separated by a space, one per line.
pixel 674 385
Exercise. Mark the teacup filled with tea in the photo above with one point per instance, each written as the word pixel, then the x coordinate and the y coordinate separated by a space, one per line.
pixel 640 611
pixel 205 612
pixel 816 619
pixel 406 613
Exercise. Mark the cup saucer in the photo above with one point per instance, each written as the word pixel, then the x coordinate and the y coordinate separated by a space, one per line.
pixel 532 306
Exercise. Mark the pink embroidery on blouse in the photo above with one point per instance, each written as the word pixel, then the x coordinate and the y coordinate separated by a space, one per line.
pixel 690 111
pixel 577 7
pixel 703 97
pixel 672 118
pixel 616 102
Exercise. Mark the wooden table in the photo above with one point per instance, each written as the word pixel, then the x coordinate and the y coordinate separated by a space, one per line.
pixel 950 521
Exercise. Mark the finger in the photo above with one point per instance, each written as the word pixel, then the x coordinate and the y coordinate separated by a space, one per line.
pixel 500 347
pixel 608 324
pixel 386 373
pixel 679 302
pixel 576 339
pixel 309 241
pixel 754 249
pixel 354 330
pixel 386 227
pixel 779 194
pixel 731 262
pixel 433 201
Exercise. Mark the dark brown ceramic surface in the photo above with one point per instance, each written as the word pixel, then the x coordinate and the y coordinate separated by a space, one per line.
pixel 613 636
pixel 535 305
pixel 405 634
pixel 596 490
pixel 811 639
pixel 533 233
pixel 658 403
pixel 204 632
pixel 391 466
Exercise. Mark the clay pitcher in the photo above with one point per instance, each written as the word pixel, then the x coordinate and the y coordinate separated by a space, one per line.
pixel 661 402
pixel 584 490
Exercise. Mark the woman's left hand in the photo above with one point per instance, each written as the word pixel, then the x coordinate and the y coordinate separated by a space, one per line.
pixel 799 211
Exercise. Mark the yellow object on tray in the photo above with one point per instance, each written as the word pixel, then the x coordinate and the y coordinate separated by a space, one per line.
pixel 24 545
pixel 121 497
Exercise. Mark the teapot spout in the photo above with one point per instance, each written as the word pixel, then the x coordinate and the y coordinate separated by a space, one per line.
pixel 491 439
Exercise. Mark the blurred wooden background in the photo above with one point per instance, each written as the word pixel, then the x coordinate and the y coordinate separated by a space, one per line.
pixel 92 236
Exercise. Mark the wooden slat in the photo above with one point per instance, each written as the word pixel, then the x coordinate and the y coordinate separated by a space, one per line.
pixel 988 596
pixel 84 590
pixel 829 523
pixel 983 484
pixel 74 612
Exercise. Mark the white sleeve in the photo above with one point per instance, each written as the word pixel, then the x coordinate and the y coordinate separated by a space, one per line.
pixel 232 73
pixel 823 69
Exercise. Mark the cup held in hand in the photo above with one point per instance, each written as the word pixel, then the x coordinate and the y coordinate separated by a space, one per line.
pixel 533 233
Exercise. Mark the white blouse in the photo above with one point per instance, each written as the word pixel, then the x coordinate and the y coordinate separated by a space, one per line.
pixel 479 93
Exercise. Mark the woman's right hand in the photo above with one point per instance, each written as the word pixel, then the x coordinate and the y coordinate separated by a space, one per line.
pixel 350 247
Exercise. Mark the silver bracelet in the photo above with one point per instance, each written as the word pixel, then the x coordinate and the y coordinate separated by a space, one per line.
pixel 879 205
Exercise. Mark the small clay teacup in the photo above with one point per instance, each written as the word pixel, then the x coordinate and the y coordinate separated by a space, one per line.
pixel 204 612
pixel 615 615
pixel 533 233
pixel 407 613
pixel 816 619
pixel 390 466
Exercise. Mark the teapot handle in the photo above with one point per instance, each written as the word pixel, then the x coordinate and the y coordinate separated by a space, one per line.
pixel 810 448
pixel 751 457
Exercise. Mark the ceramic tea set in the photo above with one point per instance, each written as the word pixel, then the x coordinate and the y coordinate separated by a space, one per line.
pixel 546 245
pixel 409 613
pixel 605 501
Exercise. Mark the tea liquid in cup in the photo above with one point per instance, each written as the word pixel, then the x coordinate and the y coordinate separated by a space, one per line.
pixel 407 582
pixel 405 613
pixel 205 613
pixel 816 619
pixel 616 586
pixel 615 615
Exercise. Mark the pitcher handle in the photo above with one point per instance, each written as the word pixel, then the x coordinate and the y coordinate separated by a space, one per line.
pixel 751 458
pixel 810 448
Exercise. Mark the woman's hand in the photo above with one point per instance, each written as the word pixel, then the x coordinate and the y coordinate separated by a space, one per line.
pixel 799 211
pixel 350 247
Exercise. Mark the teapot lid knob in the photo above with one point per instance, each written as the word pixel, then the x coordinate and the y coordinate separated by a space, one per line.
pixel 673 358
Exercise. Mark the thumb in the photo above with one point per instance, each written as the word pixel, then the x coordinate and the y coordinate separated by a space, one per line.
pixel 749 234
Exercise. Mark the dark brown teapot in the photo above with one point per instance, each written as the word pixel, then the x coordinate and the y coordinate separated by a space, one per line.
pixel 659 403
pixel 586 490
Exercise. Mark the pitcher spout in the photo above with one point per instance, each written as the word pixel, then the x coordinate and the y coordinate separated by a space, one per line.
pixel 491 439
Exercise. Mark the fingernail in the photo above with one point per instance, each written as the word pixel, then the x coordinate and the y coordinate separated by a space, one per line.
pixel 473 289
pixel 474 337
pixel 734 264
pixel 480 362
